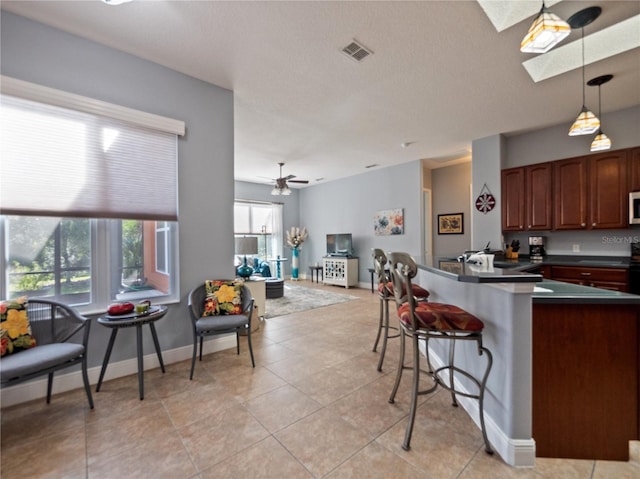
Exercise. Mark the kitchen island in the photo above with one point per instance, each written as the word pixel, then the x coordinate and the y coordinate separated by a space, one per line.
pixel 543 334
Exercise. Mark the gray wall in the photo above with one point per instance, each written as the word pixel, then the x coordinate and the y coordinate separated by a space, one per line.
pixel 451 194
pixel 348 206
pixel 43 55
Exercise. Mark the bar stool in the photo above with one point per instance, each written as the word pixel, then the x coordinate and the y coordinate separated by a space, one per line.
pixel 385 293
pixel 434 321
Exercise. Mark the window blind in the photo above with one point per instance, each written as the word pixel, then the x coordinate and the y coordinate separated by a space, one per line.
pixel 58 161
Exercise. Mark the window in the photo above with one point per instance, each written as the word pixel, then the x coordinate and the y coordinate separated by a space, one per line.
pixel 61 258
pixel 263 220
pixel 69 165
pixel 162 247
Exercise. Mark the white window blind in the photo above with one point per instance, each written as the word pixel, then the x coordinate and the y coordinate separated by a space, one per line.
pixel 57 161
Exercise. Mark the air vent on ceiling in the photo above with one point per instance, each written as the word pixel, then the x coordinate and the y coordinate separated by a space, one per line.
pixel 356 51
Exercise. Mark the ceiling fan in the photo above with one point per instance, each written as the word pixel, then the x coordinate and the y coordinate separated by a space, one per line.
pixel 281 187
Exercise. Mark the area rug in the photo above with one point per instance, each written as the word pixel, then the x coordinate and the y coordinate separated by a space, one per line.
pixel 298 298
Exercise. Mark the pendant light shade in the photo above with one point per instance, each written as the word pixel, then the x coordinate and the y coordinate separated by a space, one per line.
pixel 601 141
pixel 587 122
pixel 546 31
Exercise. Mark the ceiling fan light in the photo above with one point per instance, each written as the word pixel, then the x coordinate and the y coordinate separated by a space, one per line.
pixel 275 191
pixel 601 142
pixel 586 124
pixel 546 31
pixel 285 191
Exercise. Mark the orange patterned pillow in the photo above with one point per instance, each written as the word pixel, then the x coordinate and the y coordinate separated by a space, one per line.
pixel 223 297
pixel 15 330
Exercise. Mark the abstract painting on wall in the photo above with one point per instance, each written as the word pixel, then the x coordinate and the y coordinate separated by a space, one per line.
pixel 389 222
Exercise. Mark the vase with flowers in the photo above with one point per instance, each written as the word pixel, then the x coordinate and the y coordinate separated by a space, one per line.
pixel 295 238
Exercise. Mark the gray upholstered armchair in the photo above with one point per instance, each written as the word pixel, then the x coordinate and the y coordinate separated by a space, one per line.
pixel 53 325
pixel 205 324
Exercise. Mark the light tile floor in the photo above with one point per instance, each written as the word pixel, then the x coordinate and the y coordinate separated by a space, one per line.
pixel 315 406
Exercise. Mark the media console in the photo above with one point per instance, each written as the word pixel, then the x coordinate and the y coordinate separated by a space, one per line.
pixel 341 271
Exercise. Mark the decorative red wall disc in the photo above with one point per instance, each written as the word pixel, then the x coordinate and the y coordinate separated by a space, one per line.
pixel 486 201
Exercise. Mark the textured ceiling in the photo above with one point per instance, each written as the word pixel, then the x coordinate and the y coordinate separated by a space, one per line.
pixel 441 74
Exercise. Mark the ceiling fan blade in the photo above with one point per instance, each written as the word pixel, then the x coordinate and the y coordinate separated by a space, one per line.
pixel 299 181
pixel 289 177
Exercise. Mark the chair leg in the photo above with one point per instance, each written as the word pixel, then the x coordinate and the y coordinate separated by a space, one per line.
pixel 415 388
pixel 193 358
pixel 385 336
pixel 49 387
pixel 400 365
pixel 85 379
pixel 253 362
pixel 452 353
pixel 238 341
pixel 201 341
pixel 380 322
pixel 488 449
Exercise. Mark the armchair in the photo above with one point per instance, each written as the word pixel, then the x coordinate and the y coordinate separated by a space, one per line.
pixel 209 325
pixel 53 325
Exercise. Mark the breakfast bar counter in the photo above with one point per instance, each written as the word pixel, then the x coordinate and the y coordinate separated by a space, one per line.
pixel 565 376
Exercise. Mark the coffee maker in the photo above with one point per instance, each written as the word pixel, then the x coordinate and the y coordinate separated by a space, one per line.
pixel 536 248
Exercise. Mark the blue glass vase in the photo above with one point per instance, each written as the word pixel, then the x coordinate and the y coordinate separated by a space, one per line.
pixel 294 264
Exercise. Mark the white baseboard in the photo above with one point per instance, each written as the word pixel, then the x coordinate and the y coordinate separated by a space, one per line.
pixel 515 452
pixel 37 388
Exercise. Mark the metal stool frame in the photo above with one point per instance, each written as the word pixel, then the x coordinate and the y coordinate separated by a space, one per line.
pixel 379 263
pixel 403 268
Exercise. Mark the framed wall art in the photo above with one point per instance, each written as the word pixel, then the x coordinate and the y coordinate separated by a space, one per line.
pixel 389 222
pixel 450 224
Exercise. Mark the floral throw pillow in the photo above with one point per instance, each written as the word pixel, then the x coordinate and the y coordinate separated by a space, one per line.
pixel 223 297
pixel 15 330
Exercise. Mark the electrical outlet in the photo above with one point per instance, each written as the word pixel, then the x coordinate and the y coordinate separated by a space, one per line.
pixel 576 248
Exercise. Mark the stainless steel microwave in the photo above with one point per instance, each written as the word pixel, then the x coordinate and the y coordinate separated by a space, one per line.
pixel 634 208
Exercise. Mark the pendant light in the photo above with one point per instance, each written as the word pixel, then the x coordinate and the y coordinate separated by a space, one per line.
pixel 546 31
pixel 586 123
pixel 601 141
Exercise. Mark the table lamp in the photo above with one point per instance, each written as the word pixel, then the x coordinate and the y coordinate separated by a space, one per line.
pixel 244 246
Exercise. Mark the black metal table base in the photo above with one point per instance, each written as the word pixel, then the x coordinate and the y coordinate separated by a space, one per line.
pixel 107 356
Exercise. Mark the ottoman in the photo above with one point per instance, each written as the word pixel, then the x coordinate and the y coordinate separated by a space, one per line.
pixel 275 288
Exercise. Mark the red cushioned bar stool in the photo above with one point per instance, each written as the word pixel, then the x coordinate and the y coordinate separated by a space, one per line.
pixel 385 293
pixel 434 321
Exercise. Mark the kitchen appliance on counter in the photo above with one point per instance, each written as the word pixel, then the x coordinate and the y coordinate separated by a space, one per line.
pixel 536 248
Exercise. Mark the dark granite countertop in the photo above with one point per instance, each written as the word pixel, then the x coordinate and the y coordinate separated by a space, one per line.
pixel 471 273
pixel 524 262
pixel 559 292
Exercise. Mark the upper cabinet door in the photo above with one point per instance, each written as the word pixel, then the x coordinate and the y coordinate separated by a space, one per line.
pixel 539 197
pixel 634 169
pixel 570 192
pixel 513 199
pixel 609 207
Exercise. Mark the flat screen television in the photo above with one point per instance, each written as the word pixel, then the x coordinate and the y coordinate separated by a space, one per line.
pixel 339 244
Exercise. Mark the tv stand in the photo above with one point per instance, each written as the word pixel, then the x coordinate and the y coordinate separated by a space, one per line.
pixel 342 271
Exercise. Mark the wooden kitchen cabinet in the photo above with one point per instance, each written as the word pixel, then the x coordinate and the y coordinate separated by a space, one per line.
pixel 570 191
pixel 591 192
pixel 526 198
pixel 634 169
pixel 616 279
pixel 585 380
pixel 608 194
pixel 513 199
pixel 538 199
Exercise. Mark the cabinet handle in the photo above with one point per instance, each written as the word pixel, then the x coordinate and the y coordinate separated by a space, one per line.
pixel 529 226
pixel 593 224
pixel 583 224
pixel 585 274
